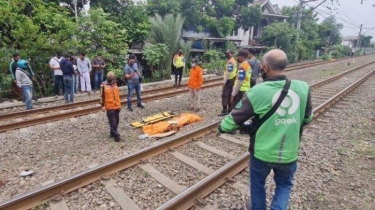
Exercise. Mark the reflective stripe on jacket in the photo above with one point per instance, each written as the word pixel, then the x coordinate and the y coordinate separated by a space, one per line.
pixel 244 74
pixel 231 68
pixel 110 96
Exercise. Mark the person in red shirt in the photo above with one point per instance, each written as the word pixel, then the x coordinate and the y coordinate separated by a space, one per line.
pixel 194 85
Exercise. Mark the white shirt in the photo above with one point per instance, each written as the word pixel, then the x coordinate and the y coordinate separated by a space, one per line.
pixel 55 62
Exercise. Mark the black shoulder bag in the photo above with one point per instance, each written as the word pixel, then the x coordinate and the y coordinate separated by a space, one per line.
pixel 136 71
pixel 256 123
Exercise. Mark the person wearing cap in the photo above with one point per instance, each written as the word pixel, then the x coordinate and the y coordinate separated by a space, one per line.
pixel 194 85
pixel 54 65
pixel 179 64
pixel 242 83
pixel 111 103
pixel 134 83
pixel 230 74
pixel 12 69
pixel 24 82
pixel 98 65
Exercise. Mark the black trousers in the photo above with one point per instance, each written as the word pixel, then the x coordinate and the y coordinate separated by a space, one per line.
pixel 178 72
pixel 59 80
pixel 238 98
pixel 227 94
pixel 113 118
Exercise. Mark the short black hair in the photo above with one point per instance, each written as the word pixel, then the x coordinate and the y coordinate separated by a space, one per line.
pixel 67 55
pixel 229 52
pixel 16 55
pixel 252 51
pixel 58 53
pixel 243 53
pixel 131 56
pixel 82 53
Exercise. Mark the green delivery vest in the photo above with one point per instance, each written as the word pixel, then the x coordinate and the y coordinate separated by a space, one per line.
pixel 277 140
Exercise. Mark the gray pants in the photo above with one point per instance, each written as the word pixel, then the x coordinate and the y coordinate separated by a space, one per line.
pixel 195 101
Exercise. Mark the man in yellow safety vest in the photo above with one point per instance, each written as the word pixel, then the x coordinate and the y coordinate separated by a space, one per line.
pixel 242 83
pixel 230 74
pixel 179 64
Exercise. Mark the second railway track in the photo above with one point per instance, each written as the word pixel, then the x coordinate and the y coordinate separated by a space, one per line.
pixel 175 194
pixel 40 116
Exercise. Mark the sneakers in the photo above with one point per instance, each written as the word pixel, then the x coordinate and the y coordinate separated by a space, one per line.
pixel 223 113
pixel 130 109
pixel 140 106
pixel 117 139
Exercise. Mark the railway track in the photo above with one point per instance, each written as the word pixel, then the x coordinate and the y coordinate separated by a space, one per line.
pixel 23 119
pixel 183 148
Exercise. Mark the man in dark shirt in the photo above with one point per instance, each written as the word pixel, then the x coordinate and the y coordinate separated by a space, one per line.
pixel 98 65
pixel 255 67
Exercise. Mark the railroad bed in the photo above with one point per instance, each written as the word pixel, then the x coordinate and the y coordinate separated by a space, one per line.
pixel 51 101
pixel 14 120
pixel 174 167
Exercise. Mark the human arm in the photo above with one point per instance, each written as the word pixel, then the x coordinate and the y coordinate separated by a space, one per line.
pixel 11 70
pixel 200 78
pixel 309 111
pixel 89 64
pixel 241 78
pixel 239 115
pixel 54 64
pixel 18 78
pixel 102 97
pixel 127 72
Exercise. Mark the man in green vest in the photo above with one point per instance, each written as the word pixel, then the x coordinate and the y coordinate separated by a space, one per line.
pixel 274 143
pixel 230 74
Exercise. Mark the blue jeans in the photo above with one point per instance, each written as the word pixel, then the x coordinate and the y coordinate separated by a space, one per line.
pixel 283 177
pixel 98 79
pixel 27 94
pixel 69 88
pixel 76 83
pixel 131 87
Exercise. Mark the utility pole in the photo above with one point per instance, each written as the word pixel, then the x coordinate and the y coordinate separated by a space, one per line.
pixel 299 15
pixel 75 2
pixel 359 37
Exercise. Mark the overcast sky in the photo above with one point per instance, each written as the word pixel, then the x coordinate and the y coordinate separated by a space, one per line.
pixel 351 13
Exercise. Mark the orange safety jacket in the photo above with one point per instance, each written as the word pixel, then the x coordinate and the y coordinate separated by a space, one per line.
pixel 195 78
pixel 110 96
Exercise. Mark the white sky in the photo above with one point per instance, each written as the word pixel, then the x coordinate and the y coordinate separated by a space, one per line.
pixel 351 13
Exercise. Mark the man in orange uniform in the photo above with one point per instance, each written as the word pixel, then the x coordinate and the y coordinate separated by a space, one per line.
pixel 111 103
pixel 195 84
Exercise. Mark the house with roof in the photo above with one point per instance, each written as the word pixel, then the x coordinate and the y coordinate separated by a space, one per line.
pixel 350 41
pixel 270 13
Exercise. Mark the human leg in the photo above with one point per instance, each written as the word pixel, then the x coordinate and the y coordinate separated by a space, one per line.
pixel 70 88
pixel 112 119
pixel 96 80
pixel 130 94
pixel 175 76
pixel 191 98
pixel 82 79
pixel 180 70
pixel 57 84
pixel 259 171
pixel 28 97
pixel 139 97
pixel 283 177
pixel 197 99
pixel 62 83
pixel 66 86
pixel 87 81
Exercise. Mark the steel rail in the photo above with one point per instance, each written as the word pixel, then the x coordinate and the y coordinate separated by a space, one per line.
pixel 89 176
pixel 85 103
pixel 77 113
pixel 187 198
pixel 200 190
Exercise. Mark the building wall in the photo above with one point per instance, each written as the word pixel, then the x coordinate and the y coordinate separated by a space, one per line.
pixel 241 35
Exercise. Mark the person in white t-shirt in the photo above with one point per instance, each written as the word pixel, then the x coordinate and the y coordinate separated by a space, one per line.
pixel 54 64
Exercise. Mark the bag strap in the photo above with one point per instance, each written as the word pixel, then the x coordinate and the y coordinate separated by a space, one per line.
pixel 281 98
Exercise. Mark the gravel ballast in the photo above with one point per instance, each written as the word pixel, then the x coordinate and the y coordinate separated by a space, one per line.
pixel 57 150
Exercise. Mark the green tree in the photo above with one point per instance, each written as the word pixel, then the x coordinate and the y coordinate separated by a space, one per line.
pixel 329 31
pixel 365 41
pixel 156 56
pixel 163 7
pixel 167 30
pixel 98 33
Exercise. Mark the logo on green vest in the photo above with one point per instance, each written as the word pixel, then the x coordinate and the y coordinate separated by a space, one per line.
pixel 239 105
pixel 289 105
